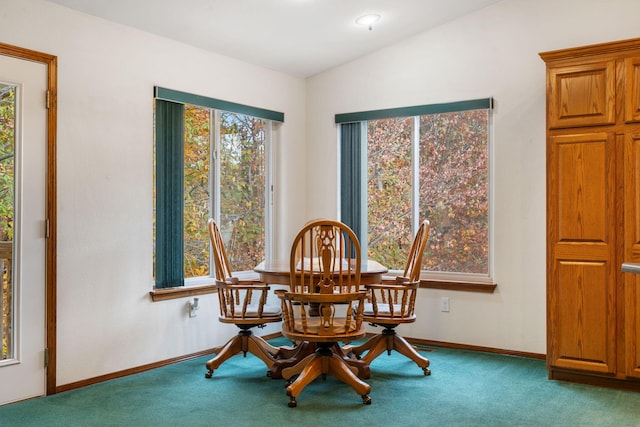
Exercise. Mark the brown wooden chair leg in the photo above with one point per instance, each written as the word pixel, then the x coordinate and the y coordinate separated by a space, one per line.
pixel 245 342
pixel 265 345
pixel 233 347
pixel 388 341
pixel 311 371
pixel 254 346
pixel 358 350
pixel 323 363
pixel 293 370
pixel 403 347
pixel 339 369
pixel 359 367
pixel 301 351
pixel 380 346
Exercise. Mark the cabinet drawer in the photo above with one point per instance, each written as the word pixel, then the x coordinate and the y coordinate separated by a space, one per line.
pixel 632 93
pixel 581 95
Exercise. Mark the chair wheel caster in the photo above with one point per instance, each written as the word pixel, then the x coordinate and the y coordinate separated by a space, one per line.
pixel 366 400
pixel 293 403
pixel 209 374
pixel 427 371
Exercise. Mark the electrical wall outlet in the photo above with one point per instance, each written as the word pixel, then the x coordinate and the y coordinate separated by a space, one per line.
pixel 193 307
pixel 444 304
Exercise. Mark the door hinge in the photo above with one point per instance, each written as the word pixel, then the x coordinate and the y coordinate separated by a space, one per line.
pixel 47 97
pixel 46 229
pixel 46 357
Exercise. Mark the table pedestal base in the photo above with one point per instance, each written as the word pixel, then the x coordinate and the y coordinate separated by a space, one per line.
pixel 288 358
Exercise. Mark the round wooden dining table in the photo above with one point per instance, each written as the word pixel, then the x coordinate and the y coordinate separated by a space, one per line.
pixel 277 272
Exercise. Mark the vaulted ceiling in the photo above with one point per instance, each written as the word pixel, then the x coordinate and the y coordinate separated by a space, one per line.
pixel 297 37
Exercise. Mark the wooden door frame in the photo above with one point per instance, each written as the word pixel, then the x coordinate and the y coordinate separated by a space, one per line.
pixel 51 62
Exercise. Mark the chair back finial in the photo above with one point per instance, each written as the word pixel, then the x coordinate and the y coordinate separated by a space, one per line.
pixel 322 254
pixel 222 266
pixel 414 261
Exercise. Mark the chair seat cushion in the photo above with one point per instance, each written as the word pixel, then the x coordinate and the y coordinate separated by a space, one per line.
pixel 247 276
pixel 384 311
pixel 252 311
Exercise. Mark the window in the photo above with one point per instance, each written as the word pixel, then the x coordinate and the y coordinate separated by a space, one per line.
pixel 8 291
pixel 429 162
pixel 212 161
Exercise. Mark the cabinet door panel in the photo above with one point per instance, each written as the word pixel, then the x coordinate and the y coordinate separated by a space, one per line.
pixel 632 93
pixel 581 185
pixel 582 245
pixel 581 95
pixel 582 313
pixel 582 202
pixel 632 252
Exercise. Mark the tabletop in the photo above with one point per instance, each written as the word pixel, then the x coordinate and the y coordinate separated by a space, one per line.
pixel 277 271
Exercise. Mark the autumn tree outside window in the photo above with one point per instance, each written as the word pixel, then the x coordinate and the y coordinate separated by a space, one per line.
pixel 400 166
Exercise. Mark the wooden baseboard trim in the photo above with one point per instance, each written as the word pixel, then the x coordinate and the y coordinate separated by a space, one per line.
pixel 430 343
pixel 131 371
pixel 159 364
pixel 143 368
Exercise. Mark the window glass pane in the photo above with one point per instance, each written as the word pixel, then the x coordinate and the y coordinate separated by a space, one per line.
pixel 224 175
pixel 454 197
pixel 242 189
pixel 389 143
pixel 7 150
pixel 196 190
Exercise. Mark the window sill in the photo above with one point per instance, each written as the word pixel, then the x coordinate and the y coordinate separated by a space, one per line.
pixel 452 285
pixel 181 292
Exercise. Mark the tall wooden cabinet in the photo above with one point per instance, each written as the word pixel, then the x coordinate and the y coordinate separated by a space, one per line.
pixel 593 213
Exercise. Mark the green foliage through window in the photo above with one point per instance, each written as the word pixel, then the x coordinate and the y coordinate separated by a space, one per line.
pixel 241 180
pixel 7 165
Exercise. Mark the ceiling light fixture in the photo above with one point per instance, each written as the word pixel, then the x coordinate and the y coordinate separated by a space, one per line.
pixel 368 20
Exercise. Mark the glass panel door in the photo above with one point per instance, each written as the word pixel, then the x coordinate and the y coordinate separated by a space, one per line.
pixel 23 171
pixel 7 149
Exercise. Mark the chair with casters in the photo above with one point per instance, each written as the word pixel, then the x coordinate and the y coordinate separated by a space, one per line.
pixel 243 302
pixel 323 305
pixel 392 303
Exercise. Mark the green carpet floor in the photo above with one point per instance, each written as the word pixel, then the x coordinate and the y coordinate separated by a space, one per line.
pixel 464 389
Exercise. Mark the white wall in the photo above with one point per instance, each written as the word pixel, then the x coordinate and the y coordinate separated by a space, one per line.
pixel 490 53
pixel 106 320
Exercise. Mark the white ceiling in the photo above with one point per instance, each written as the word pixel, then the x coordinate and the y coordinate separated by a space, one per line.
pixel 297 37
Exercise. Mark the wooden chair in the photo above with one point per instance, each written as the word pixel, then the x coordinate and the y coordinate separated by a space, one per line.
pixel 324 305
pixel 243 302
pixel 392 303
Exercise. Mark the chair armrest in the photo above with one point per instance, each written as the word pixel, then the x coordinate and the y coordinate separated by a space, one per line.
pixel 390 280
pixel 322 298
pixel 401 283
